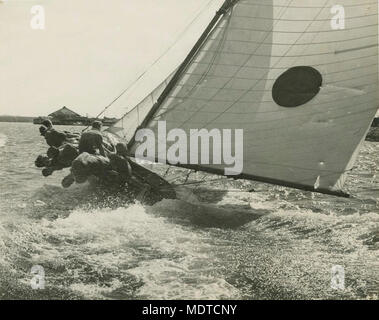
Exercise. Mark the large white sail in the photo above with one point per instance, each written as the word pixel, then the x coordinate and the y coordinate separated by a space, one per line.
pixel 300 77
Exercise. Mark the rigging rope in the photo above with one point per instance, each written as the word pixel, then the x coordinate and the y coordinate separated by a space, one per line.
pixel 154 63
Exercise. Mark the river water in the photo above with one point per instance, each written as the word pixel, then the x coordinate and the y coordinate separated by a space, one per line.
pixel 219 240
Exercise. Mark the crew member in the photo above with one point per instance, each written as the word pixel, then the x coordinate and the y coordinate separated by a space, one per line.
pixel 87 164
pixel 53 137
pixel 92 140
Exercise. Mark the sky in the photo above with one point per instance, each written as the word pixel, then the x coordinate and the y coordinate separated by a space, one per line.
pixel 90 51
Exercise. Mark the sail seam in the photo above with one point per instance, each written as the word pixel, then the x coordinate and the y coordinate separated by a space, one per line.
pixel 246 78
pixel 277 68
pixel 298 7
pixel 304 20
pixel 290 32
pixel 289 56
pixel 299 44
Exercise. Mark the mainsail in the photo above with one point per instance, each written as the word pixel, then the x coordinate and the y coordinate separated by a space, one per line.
pixel 300 77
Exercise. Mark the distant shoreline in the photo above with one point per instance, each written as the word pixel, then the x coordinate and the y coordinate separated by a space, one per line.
pixel 66 122
pixel 16 119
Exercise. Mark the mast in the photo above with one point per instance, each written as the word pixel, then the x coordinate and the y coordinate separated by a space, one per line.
pixel 224 9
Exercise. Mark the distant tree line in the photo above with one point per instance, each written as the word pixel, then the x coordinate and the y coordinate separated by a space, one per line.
pixel 15 119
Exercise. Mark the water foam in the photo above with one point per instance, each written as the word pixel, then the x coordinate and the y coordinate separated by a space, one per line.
pixel 133 250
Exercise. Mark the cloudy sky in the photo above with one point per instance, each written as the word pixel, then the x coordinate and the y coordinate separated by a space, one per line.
pixel 90 51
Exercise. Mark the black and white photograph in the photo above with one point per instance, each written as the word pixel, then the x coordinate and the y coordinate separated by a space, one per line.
pixel 189 150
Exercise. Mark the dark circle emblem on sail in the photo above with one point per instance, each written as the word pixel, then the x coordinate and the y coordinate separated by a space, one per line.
pixel 296 86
